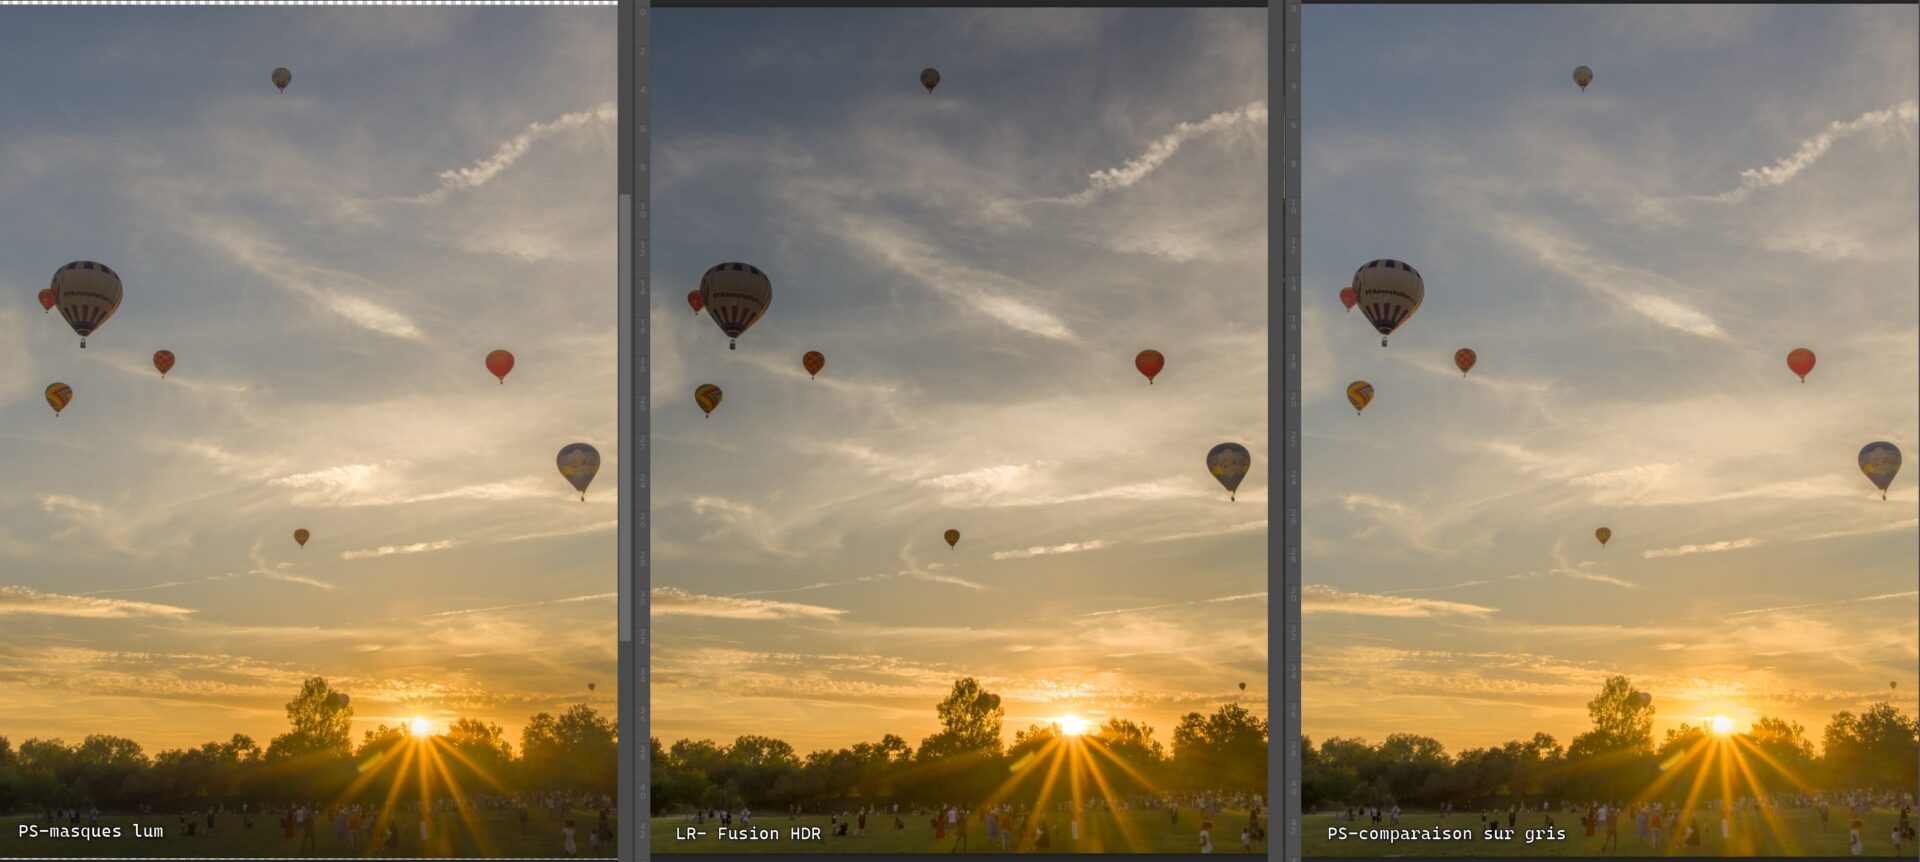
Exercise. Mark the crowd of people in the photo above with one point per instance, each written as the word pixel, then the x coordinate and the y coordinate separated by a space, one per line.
pixel 1665 826
pixel 361 828
pixel 1018 826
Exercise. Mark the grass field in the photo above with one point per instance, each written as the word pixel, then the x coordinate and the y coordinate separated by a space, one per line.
pixel 500 829
pixel 1799 834
pixel 1150 832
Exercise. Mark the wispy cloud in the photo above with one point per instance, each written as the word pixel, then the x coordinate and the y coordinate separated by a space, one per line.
pixel 1040 551
pixel 1708 548
pixel 22 601
pixel 1784 170
pixel 511 150
pixel 1250 119
pixel 391 550
pixel 1322 599
pixel 669 601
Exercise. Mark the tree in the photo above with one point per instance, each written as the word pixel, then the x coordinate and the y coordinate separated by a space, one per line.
pixel 969 723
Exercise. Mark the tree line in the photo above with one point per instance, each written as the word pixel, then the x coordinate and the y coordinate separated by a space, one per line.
pixel 315 760
pixel 965 761
pixel 1617 759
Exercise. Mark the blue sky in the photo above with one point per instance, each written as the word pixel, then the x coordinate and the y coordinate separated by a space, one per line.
pixel 979 266
pixel 1632 264
pixel 330 265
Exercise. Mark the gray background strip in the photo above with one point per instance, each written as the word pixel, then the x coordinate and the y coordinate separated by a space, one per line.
pixel 635 456
pixel 1287 743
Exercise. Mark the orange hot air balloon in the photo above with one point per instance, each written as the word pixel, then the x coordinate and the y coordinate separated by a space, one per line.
pixel 708 397
pixel 1150 362
pixel 163 360
pixel 813 362
pixel 1348 298
pixel 697 301
pixel 59 395
pixel 1463 359
pixel 46 300
pixel 1603 534
pixel 952 537
pixel 301 537
pixel 1800 361
pixel 500 362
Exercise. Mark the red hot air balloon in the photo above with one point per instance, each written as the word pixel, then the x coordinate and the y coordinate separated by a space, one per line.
pixel 1463 359
pixel 1800 361
pixel 163 360
pixel 697 301
pixel 46 300
pixel 1348 298
pixel 1150 362
pixel 813 362
pixel 500 362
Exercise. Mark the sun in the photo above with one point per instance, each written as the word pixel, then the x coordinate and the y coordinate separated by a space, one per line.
pixel 1721 725
pixel 1073 725
pixel 421 727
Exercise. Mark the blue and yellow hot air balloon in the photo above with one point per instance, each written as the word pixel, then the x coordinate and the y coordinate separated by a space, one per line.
pixel 1229 463
pixel 1880 460
pixel 579 462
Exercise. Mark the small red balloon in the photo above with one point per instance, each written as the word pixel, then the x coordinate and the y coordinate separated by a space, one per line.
pixel 1348 298
pixel 1150 362
pixel 696 300
pixel 1464 359
pixel 163 360
pixel 46 299
pixel 500 362
pixel 1801 362
pixel 813 362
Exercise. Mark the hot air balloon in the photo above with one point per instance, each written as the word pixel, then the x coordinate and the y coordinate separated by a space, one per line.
pixel 708 397
pixel 87 294
pixel 813 361
pixel 1880 460
pixel 1229 463
pixel 1359 394
pixel 1603 534
pixel 1583 76
pixel 1643 698
pixel 1347 298
pixel 163 360
pixel 1892 684
pixel 1800 362
pixel 578 462
pixel 1388 293
pixel 1243 686
pixel 1149 362
pixel 929 78
pixel 736 296
pixel 500 362
pixel 59 395
pixel 953 538
pixel 300 536
pixel 282 77
pixel 46 300
pixel 1463 359
pixel 694 299
pixel 590 686
pixel 340 700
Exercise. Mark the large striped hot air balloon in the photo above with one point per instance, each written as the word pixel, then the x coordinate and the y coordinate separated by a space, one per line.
pixel 87 294
pixel 1388 292
pixel 736 296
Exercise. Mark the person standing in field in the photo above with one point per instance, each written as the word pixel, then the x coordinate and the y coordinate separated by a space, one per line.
pixel 1853 839
pixel 958 823
pixel 566 835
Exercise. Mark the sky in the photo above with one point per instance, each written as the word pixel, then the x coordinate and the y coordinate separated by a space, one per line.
pixel 1632 265
pixel 979 266
pixel 330 265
